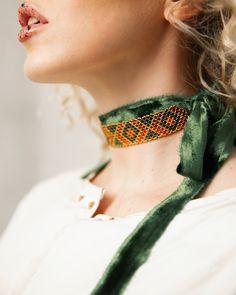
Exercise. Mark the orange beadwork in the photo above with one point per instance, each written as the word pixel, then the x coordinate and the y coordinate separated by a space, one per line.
pixel 146 128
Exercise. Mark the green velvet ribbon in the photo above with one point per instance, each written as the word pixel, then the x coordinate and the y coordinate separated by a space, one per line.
pixel 208 139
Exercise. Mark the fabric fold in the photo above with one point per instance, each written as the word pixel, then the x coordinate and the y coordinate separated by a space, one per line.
pixel 208 138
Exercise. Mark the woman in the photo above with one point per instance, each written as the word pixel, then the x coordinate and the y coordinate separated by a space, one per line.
pixel 158 217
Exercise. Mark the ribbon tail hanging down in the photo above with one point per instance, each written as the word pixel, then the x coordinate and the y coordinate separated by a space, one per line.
pixel 194 142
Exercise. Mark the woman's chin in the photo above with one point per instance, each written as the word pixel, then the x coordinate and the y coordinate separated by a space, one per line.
pixel 36 73
pixel 41 69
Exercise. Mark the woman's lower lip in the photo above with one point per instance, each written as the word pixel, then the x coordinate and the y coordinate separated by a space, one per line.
pixel 28 31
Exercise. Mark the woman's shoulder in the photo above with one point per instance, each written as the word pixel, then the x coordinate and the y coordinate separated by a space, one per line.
pixel 43 195
pixel 50 188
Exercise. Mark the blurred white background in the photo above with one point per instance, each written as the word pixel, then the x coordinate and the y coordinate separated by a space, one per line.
pixel 35 141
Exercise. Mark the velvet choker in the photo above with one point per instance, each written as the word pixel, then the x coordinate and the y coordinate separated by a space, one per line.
pixel 209 135
pixel 145 128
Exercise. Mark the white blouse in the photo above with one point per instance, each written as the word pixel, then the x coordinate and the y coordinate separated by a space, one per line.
pixel 53 245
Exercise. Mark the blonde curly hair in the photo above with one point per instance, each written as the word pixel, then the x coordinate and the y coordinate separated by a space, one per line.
pixel 210 40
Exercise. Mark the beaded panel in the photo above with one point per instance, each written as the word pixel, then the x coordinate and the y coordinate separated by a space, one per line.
pixel 146 128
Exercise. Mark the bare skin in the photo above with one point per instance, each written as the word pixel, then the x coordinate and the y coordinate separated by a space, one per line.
pixel 121 51
pixel 156 184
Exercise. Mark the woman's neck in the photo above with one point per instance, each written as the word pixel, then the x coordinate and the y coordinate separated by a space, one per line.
pixel 147 163
pixel 159 68
pixel 141 170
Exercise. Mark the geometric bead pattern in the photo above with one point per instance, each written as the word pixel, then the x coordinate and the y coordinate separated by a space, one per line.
pixel 146 128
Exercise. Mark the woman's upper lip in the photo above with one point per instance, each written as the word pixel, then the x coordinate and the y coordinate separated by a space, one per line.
pixel 25 11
